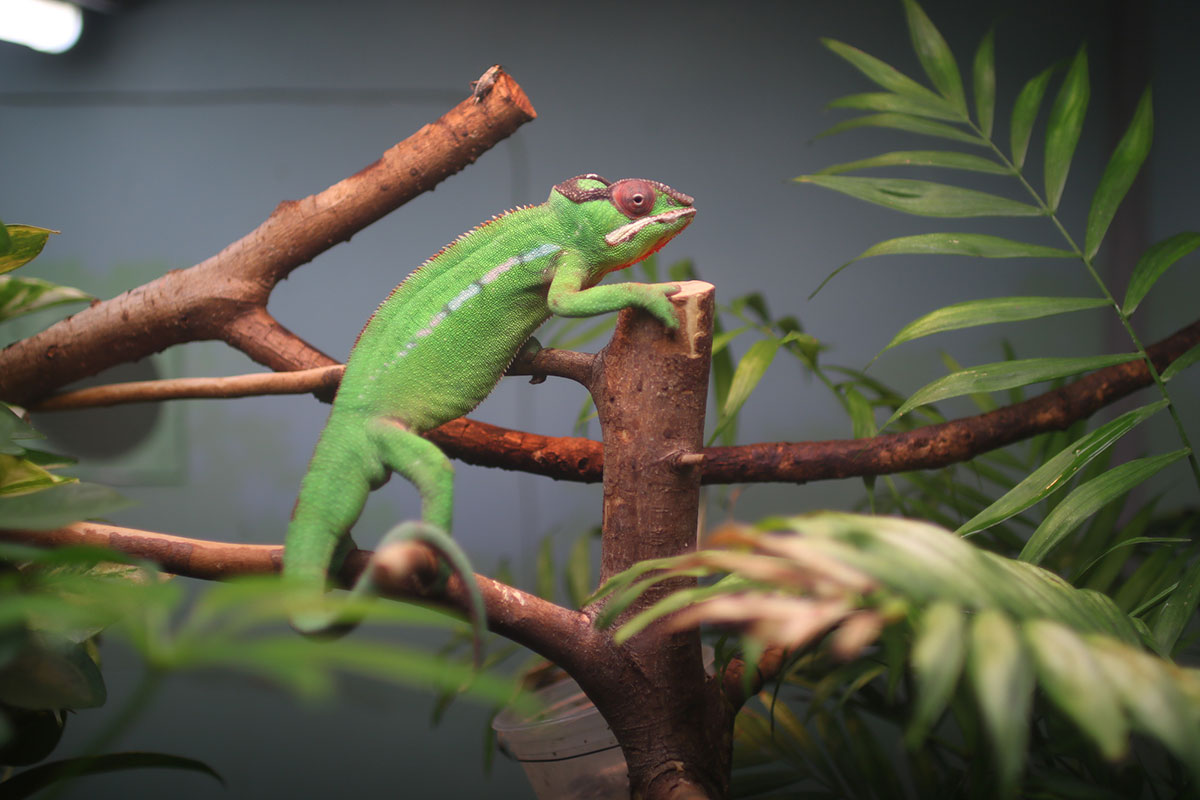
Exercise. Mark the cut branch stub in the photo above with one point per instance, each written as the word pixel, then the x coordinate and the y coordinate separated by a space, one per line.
pixel 650 388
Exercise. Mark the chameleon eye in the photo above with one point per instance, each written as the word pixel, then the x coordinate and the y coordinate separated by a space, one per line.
pixel 633 198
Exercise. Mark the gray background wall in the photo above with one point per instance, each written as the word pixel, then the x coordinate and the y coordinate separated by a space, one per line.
pixel 720 100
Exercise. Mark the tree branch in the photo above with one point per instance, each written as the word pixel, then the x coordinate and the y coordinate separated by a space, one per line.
pixel 578 459
pixel 225 296
pixel 550 630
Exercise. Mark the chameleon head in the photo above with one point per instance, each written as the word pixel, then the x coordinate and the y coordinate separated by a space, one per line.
pixel 639 215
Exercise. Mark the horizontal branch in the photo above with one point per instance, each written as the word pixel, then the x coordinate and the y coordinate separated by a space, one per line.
pixel 579 459
pixel 548 629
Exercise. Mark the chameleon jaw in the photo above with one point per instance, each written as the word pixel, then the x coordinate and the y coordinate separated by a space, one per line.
pixel 627 231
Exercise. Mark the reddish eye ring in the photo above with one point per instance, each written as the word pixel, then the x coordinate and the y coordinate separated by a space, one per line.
pixel 633 198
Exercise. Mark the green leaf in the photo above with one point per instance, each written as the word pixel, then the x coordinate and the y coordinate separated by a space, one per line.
pixel 1074 681
pixel 1180 364
pixel 32 781
pixel 889 102
pixel 1153 700
pixel 937 658
pixel 1064 127
pixel 5 239
pixel 904 122
pixel 922 158
pixel 1005 375
pixel 923 198
pixel 935 56
pixel 23 295
pixel 722 376
pixel 1178 609
pixel 1153 263
pixel 1089 498
pixel 862 414
pixel 579 569
pixel 25 242
pixel 1118 176
pixel 946 244
pixel 989 312
pixel 20 475
pixel 59 505
pixel 1002 679
pixel 984 74
pixel 1025 112
pixel 747 375
pixel 1055 473
pixel 12 427
pixel 886 75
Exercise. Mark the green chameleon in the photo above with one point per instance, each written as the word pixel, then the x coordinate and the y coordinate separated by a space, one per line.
pixel 441 341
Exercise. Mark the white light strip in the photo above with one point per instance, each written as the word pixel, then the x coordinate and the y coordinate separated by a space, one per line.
pixel 50 26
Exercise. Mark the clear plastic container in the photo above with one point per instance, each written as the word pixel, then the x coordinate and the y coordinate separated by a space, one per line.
pixel 568 751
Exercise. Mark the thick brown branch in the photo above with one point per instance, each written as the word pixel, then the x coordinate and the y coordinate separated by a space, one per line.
pixel 225 296
pixel 948 443
pixel 549 630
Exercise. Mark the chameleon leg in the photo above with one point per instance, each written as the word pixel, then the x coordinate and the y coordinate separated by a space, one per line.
pixel 420 462
pixel 426 466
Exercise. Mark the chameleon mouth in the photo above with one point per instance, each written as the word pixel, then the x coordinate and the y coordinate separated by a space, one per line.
pixel 629 230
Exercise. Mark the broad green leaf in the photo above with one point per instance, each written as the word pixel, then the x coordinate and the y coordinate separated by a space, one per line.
pixel 58 506
pixel 1025 112
pixel 905 122
pixel 1055 473
pixel 1152 698
pixel 5 239
pixel 1153 263
pixel 982 400
pixel 1118 176
pixel 1180 364
pixel 1002 679
pixel 23 295
pixel 984 79
pixel 1178 609
pixel 1064 127
pixel 1074 681
pixel 1005 375
pixel 989 312
pixel 886 75
pixel 937 658
pixel 923 198
pixel 935 56
pixel 747 375
pixel 922 158
pixel 889 102
pixel 25 242
pixel 1090 498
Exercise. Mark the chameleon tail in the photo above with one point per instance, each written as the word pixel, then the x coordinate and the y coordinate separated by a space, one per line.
pixel 451 554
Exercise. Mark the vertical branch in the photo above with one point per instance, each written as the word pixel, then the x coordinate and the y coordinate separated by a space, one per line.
pixel 650 390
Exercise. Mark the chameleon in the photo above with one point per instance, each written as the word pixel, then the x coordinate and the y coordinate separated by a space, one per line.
pixel 441 341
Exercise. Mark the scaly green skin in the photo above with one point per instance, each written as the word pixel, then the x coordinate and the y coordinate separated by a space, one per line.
pixel 440 343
